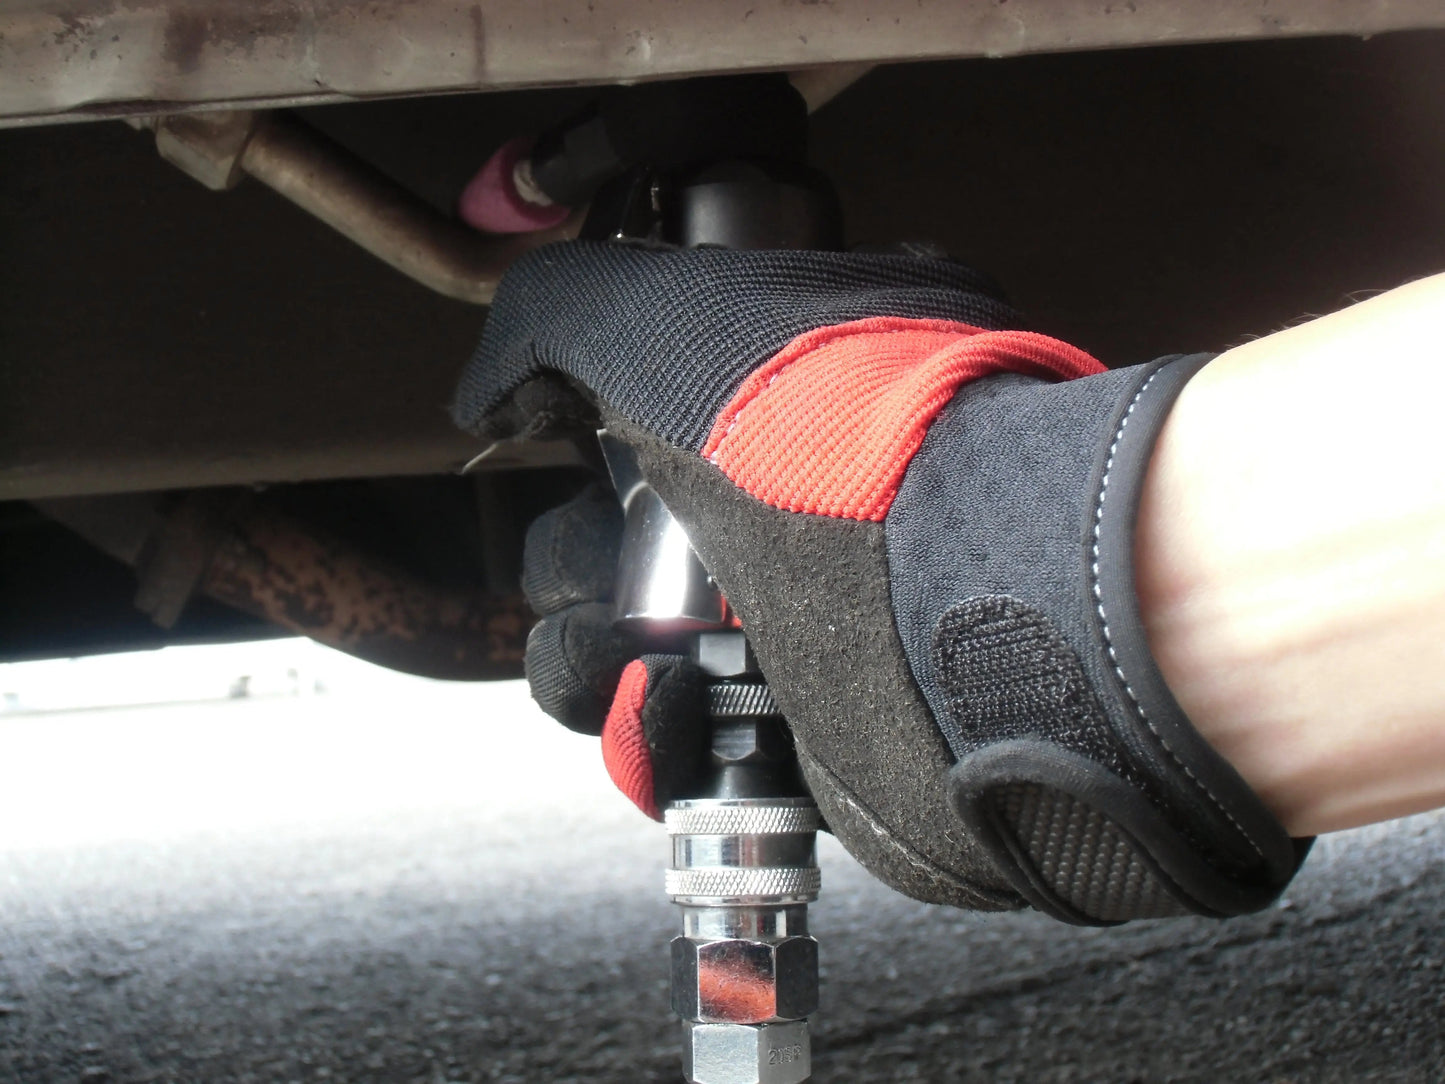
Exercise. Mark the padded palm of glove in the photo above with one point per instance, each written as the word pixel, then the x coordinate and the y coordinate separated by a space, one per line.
pixel 929 542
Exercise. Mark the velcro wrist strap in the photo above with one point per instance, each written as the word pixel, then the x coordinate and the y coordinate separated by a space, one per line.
pixel 1010 548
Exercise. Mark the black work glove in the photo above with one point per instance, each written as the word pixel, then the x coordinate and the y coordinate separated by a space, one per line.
pixel 924 520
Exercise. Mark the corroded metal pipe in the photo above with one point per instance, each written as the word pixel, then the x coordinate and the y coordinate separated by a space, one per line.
pixel 248 555
pixel 349 195
pixel 270 566
pixel 381 216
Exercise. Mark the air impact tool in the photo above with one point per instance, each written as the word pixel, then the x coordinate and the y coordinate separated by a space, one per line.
pixel 744 969
pixel 707 162
pixel 744 868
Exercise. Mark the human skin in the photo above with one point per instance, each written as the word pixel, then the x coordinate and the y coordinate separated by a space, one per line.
pixel 1290 561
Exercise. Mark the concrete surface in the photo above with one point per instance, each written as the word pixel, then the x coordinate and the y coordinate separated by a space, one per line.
pixel 401 881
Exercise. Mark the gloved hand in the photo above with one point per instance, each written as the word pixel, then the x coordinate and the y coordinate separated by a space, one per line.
pixel 924 520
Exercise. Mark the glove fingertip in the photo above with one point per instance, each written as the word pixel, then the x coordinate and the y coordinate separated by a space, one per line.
pixel 572 665
pixel 571 551
pixel 547 407
pixel 624 741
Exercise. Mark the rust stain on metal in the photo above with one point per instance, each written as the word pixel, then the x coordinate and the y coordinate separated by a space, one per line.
pixel 326 589
pixel 244 553
pixel 190 32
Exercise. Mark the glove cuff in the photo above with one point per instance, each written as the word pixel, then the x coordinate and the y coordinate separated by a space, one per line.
pixel 1011 555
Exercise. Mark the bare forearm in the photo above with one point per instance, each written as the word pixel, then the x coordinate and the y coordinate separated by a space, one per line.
pixel 1291 561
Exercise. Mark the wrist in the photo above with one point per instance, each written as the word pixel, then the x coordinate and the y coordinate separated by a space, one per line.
pixel 1288 565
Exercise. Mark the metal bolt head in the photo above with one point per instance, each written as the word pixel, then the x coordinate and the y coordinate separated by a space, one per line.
pixel 750 741
pixel 747 1053
pixel 725 653
pixel 737 981
pixel 208 146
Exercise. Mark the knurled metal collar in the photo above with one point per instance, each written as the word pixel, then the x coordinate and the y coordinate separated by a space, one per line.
pixel 744 883
pixel 735 699
pixel 742 820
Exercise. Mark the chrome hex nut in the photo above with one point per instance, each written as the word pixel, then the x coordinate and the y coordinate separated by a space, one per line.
pixel 724 654
pixel 747 1053
pixel 750 741
pixel 744 982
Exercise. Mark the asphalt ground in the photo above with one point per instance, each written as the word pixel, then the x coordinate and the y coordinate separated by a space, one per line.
pixel 401 881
